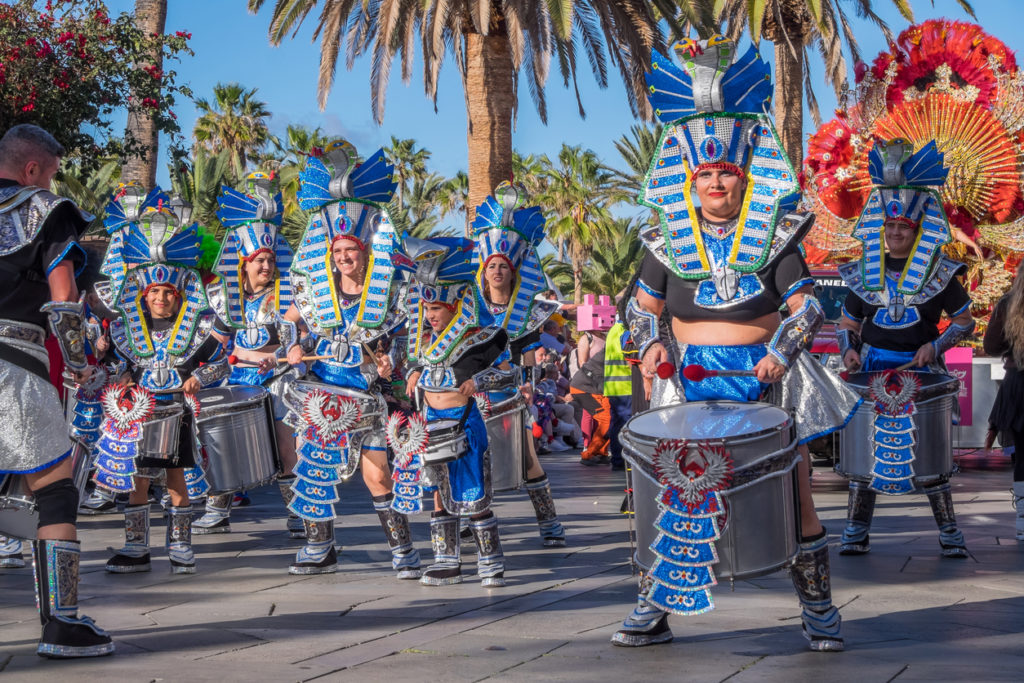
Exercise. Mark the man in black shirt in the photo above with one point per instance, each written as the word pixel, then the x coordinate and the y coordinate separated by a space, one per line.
pixel 897 296
pixel 38 259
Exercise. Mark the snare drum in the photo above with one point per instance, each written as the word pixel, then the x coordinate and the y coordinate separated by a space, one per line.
pixel 760 532
pixel 372 409
pixel 447 442
pixel 933 419
pixel 19 517
pixel 506 436
pixel 235 429
pixel 160 435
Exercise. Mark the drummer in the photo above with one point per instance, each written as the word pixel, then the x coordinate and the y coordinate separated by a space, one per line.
pixel 39 255
pixel 250 298
pixel 919 285
pixel 699 269
pixel 333 298
pixel 166 339
pixel 510 279
pixel 453 345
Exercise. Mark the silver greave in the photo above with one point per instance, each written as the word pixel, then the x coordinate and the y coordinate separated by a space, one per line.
pixel 179 539
pixel 136 531
pixel 296 529
pixel 444 538
pixel 940 498
pixel 218 509
pixel 644 625
pixel 551 530
pixel 811 578
pixel 860 510
pixel 396 530
pixel 490 559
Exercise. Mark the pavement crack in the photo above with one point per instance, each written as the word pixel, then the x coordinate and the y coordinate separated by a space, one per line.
pixel 273 606
pixel 519 664
pixel 3 664
pixel 898 673
pixel 743 668
pixel 905 563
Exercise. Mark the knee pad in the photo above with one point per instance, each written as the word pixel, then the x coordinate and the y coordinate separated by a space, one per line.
pixel 57 503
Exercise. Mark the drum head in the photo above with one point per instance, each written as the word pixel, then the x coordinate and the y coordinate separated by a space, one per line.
pixel 927 379
pixel 442 426
pixel 232 394
pixel 708 420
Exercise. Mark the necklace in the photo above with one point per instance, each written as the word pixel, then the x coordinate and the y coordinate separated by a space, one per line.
pixel 719 229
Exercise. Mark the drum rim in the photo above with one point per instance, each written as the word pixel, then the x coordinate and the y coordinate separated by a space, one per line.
pixel 788 424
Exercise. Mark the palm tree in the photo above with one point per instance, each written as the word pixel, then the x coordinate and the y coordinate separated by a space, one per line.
pixel 577 196
pixel 453 197
pixel 198 182
pixel 794 26
pixel 637 149
pixel 613 263
pixel 150 17
pixel 492 42
pixel 410 163
pixel 418 214
pixel 235 121
pixel 559 273
pixel 91 192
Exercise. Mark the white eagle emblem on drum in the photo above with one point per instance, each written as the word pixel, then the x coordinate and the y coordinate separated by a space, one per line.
pixel 691 469
pixel 126 406
pixel 329 415
pixel 894 392
pixel 407 436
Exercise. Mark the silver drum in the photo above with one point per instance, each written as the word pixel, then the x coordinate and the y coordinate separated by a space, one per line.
pixel 236 430
pixel 19 517
pixel 760 534
pixel 372 408
pixel 160 434
pixel 933 455
pixel 506 438
pixel 447 442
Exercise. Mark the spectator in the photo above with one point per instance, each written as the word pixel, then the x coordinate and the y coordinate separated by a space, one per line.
pixel 589 401
pixel 563 423
pixel 549 337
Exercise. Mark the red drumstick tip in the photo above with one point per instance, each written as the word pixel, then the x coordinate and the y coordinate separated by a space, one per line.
pixel 695 373
pixel 538 431
pixel 105 324
pixel 665 370
pixel 845 375
pixel 233 360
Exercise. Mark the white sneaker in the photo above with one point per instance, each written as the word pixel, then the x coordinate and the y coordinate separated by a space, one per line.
pixel 558 446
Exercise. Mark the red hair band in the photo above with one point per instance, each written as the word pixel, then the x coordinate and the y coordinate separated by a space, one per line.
pixel 252 257
pixel 720 166
pixel 359 242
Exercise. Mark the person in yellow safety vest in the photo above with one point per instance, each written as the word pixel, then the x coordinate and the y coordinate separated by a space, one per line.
pixel 618 388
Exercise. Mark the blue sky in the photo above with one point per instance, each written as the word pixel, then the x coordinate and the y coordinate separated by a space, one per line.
pixel 232 45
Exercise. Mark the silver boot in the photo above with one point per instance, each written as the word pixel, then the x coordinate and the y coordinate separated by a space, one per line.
pixel 1018 504
pixel 860 508
pixel 296 529
pixel 490 562
pixel 951 539
pixel 551 532
pixel 645 625
pixel 65 633
pixel 811 578
pixel 10 553
pixel 179 540
pixel 444 537
pixel 405 559
pixel 318 556
pixel 217 518
pixel 134 555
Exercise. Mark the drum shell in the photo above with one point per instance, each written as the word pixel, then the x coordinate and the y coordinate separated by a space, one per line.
pixel 933 454
pixel 160 434
pixel 506 436
pixel 19 517
pixel 372 408
pixel 447 442
pixel 235 428
pixel 760 535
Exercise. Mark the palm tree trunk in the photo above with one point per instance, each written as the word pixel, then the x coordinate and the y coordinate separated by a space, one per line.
pixel 789 104
pixel 489 105
pixel 150 17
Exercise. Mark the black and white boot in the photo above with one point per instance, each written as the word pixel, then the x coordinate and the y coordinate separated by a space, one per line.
pixel 296 529
pixel 10 553
pixel 318 556
pixel 179 540
pixel 65 634
pixel 444 537
pixel 860 508
pixel 134 555
pixel 217 518
pixel 1018 506
pixel 951 539
pixel 645 625
pixel 490 561
pixel 551 532
pixel 811 577
pixel 405 559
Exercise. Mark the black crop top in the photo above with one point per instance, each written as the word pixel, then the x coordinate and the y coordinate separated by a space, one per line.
pixel 780 278
pixel 476 359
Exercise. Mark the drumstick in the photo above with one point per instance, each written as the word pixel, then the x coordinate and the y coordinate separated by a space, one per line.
pixel 845 374
pixel 235 360
pixel 698 373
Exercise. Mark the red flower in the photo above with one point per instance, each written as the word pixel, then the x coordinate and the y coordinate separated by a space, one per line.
pixel 29 107
pixel 183 34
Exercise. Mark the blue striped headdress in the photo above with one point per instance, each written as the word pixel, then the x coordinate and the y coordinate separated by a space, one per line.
pixel 906 191
pixel 127 204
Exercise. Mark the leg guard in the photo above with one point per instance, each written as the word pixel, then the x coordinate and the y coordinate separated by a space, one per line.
pixel 179 540
pixel 100 502
pixel 551 532
pixel 294 525
pixel 318 556
pixel 57 503
pixel 405 559
pixel 134 556
pixel 65 634
pixel 10 553
pixel 859 511
pixel 645 625
pixel 444 537
pixel 1018 504
pixel 810 573
pixel 950 537
pixel 490 562
pixel 217 519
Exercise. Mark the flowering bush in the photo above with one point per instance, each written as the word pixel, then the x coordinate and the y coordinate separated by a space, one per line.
pixel 68 66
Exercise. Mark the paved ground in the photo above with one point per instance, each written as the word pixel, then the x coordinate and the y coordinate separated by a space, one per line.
pixel 908 615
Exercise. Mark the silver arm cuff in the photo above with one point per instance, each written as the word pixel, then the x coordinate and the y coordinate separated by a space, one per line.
pixel 643 327
pixel 67 323
pixel 796 332
pixel 213 372
pixel 308 343
pixel 287 335
pixel 848 341
pixel 953 335
pixel 495 379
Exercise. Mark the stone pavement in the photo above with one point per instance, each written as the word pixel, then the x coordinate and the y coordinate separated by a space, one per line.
pixel 908 615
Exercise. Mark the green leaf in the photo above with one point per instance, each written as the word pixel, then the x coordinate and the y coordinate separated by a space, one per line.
pixel 755 17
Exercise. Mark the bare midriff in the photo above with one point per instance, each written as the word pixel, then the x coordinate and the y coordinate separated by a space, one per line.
pixel 443 400
pixel 254 356
pixel 726 332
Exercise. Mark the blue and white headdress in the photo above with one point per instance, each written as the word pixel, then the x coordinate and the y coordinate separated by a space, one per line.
pixel 347 200
pixel 714 108
pixel 252 218
pixel 127 204
pixel 157 253
pixel 506 228
pixel 441 270
pixel 906 190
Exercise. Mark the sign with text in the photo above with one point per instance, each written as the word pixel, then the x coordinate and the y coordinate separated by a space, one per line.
pixel 960 362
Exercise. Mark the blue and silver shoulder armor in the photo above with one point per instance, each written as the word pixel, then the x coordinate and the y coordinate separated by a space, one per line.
pixel 495 379
pixel 287 336
pixel 67 323
pixel 796 332
pixel 953 335
pixel 643 327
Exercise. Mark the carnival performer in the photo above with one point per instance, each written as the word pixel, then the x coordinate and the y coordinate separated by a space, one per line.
pixel 722 270
pixel 337 291
pixel 452 343
pixel 39 255
pixel 899 290
pixel 250 297
pixel 507 233
pixel 164 334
